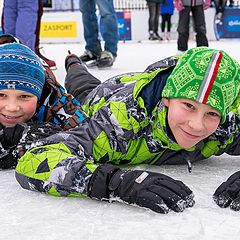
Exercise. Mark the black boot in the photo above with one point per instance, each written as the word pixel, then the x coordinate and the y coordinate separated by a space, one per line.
pixel 50 63
pixel 72 59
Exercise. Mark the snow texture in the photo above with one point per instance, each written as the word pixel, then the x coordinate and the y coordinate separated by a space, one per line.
pixel 26 215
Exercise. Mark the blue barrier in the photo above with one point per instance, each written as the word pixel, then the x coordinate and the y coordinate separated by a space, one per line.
pixel 230 26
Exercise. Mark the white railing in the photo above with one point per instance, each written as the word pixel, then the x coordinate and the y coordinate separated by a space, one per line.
pixel 73 5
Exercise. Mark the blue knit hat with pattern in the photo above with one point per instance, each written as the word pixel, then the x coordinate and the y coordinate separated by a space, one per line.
pixel 21 69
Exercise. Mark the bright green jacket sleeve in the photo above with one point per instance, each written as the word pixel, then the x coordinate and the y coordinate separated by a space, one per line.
pixel 55 170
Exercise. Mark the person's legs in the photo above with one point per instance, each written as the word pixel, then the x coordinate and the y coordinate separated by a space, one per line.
pixel 156 18
pixel 151 21
pixel 27 22
pixel 163 23
pixel 90 26
pixel 169 24
pixel 78 82
pixel 9 17
pixel 183 28
pixel 50 63
pixel 222 5
pixel 217 6
pixel 151 9
pixel 156 21
pixel 38 23
pixel 199 26
pixel 109 20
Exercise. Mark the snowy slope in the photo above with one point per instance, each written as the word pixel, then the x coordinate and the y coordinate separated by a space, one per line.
pixel 26 215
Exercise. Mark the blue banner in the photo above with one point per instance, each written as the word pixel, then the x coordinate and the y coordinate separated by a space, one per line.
pixel 230 26
pixel 124 25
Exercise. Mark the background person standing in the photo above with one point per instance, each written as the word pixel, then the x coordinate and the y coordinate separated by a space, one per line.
pixel 167 10
pixel 185 7
pixel 153 20
pixel 22 19
pixel 93 50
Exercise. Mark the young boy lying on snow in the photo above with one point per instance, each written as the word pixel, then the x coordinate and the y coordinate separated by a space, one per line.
pixel 29 93
pixel 175 111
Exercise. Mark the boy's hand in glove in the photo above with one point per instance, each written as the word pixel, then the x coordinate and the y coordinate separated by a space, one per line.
pixel 228 193
pixel 145 189
pixel 10 136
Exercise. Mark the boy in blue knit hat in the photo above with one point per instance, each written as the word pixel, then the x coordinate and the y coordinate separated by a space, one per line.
pixel 21 83
pixel 29 94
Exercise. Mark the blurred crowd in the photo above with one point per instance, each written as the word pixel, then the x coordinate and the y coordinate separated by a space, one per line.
pixel 102 53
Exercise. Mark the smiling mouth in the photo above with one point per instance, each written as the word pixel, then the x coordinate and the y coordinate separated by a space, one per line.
pixel 11 117
pixel 190 135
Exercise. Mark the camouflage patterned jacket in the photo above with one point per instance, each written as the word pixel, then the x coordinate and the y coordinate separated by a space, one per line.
pixel 126 125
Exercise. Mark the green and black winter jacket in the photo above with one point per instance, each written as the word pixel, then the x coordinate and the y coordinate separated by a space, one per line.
pixel 126 124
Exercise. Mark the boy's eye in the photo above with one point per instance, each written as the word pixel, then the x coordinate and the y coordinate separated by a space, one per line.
pixel 188 105
pixel 2 95
pixel 214 114
pixel 24 96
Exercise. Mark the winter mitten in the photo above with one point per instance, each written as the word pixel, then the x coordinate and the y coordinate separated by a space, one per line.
pixel 10 136
pixel 178 5
pixel 143 188
pixel 36 131
pixel 228 193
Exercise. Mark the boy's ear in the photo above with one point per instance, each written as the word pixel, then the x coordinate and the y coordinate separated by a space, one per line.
pixel 166 102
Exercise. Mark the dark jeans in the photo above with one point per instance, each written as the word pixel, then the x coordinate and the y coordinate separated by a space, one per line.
pixel 198 23
pixel 90 25
pixel 154 13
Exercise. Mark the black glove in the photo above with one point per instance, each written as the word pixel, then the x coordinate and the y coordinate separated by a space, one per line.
pixel 10 136
pixel 35 131
pixel 228 193
pixel 9 139
pixel 146 189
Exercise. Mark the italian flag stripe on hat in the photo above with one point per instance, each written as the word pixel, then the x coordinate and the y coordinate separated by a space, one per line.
pixel 209 78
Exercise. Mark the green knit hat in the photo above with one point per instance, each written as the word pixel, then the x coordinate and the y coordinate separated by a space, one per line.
pixel 207 76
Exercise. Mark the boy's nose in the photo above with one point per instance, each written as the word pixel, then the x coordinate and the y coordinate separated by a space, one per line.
pixel 196 123
pixel 12 107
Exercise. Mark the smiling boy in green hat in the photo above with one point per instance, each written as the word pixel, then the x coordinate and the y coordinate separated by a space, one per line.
pixel 176 111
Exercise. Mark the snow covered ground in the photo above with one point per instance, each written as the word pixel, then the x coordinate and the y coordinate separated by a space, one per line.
pixel 26 215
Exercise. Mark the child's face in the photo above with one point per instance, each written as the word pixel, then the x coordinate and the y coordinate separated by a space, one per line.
pixel 191 122
pixel 16 107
